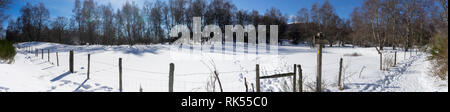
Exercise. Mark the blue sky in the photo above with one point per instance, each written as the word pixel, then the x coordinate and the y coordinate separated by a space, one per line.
pixel 290 7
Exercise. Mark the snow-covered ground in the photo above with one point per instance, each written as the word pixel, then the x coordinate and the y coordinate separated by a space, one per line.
pixel 147 67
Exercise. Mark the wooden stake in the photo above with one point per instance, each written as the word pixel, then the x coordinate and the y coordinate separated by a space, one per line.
pixel 395 58
pixel 294 80
pixel 48 55
pixel 257 79
pixel 71 61
pixel 120 74
pixel 57 59
pixel 171 72
pixel 319 69
pixel 340 75
pixel 253 87
pixel 89 65
pixel 300 79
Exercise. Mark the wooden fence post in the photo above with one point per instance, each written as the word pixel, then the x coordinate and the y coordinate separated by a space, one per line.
pixel 42 52
pixel 36 52
pixel 57 59
pixel 172 68
pixel 395 58
pixel 257 78
pixel 300 79
pixel 340 74
pixel 319 69
pixel 294 80
pixel 89 65
pixel 48 55
pixel 120 74
pixel 71 61
pixel 253 87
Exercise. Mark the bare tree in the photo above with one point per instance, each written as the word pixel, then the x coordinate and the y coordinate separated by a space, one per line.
pixel 89 18
pixel 41 17
pixel 3 5
pixel 107 15
pixel 59 25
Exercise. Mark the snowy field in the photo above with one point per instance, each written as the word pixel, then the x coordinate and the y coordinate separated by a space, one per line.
pixel 147 67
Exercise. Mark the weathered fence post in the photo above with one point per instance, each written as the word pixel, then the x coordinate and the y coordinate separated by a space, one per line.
pixel 172 68
pixel 71 61
pixel 48 55
pixel 395 58
pixel 300 79
pixel 36 52
pixel 320 40
pixel 294 80
pixel 57 59
pixel 42 52
pixel 89 65
pixel 340 75
pixel 319 69
pixel 253 87
pixel 120 74
pixel 257 78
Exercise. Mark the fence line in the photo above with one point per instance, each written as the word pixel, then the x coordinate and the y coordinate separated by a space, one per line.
pixel 163 75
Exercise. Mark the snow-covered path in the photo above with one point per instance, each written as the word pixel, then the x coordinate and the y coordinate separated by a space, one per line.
pixel 414 76
pixel 411 75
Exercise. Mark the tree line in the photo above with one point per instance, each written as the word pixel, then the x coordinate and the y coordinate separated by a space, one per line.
pixel 95 23
pixel 396 23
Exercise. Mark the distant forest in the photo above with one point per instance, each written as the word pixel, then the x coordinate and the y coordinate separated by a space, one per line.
pixel 393 23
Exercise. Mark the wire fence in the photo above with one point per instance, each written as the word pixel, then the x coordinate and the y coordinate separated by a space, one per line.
pixel 183 79
pixel 152 78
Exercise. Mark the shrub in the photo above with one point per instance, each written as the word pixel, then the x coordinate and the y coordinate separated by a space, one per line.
pixel 439 56
pixel 7 52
